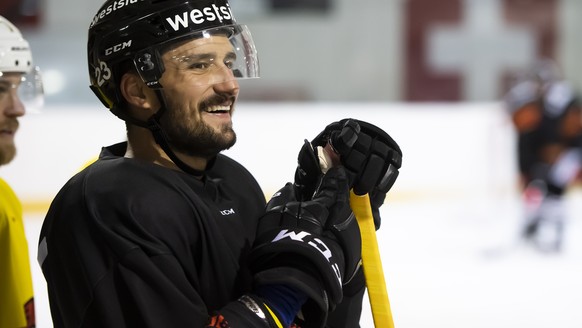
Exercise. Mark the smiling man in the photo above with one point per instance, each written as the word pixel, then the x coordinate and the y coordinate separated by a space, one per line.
pixel 165 231
pixel 17 77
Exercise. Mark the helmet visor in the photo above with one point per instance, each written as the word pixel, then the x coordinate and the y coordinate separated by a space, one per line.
pixel 31 91
pixel 212 56
pixel 28 89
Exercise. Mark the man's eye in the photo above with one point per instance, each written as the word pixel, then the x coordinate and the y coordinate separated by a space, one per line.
pixel 229 64
pixel 199 66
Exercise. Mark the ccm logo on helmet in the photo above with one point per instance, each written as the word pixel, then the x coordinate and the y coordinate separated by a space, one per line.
pixel 199 16
pixel 118 47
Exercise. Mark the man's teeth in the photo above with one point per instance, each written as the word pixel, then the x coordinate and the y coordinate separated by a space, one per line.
pixel 214 109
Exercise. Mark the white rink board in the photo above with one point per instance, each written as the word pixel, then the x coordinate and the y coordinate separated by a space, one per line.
pixel 449 149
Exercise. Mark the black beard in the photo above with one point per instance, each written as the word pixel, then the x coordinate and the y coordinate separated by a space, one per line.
pixel 200 140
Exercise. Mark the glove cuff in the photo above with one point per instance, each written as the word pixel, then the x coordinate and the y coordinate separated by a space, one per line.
pixel 316 309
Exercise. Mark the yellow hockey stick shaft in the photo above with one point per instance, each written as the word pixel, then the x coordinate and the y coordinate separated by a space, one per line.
pixel 373 271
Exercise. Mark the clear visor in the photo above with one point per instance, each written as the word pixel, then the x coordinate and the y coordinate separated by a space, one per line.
pixel 29 89
pixel 213 56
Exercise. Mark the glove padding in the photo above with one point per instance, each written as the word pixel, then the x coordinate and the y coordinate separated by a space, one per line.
pixel 313 245
pixel 370 156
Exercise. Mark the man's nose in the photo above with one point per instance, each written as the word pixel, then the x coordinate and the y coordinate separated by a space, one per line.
pixel 227 82
pixel 15 106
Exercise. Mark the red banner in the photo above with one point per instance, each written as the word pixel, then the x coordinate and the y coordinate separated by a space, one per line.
pixel 21 12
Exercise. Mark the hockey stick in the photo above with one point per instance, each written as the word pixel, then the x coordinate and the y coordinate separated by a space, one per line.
pixel 373 271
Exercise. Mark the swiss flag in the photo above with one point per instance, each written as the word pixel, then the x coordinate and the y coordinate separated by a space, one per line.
pixel 466 49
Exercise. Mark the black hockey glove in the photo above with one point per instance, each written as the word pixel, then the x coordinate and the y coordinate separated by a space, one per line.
pixel 314 245
pixel 370 156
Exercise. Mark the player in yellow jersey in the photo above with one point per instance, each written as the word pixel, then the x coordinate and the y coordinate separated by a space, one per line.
pixel 19 82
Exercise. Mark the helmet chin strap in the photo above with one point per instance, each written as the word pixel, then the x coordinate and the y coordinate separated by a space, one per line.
pixel 160 136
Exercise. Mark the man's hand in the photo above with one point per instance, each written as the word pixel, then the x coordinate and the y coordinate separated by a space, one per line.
pixel 312 245
pixel 369 155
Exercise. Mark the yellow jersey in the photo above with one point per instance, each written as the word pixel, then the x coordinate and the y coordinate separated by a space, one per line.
pixel 16 293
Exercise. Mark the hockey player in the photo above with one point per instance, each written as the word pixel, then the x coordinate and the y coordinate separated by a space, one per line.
pixel 548 119
pixel 165 231
pixel 17 77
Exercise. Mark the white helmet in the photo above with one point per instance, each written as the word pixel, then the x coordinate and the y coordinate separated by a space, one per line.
pixel 15 54
pixel 16 57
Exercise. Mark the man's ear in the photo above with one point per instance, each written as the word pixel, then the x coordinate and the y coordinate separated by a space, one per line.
pixel 137 94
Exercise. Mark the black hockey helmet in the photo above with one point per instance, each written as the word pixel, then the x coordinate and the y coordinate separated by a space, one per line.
pixel 137 32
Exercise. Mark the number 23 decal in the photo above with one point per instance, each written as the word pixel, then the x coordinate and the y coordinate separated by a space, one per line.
pixel 102 73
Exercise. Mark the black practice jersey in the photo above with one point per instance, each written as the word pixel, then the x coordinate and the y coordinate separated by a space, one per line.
pixel 534 148
pixel 133 244
pixel 531 144
pixel 128 243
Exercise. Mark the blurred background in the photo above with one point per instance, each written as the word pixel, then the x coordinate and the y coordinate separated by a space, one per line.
pixel 432 73
pixel 319 50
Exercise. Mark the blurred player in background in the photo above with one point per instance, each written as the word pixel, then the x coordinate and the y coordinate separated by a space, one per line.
pixel 19 84
pixel 547 116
